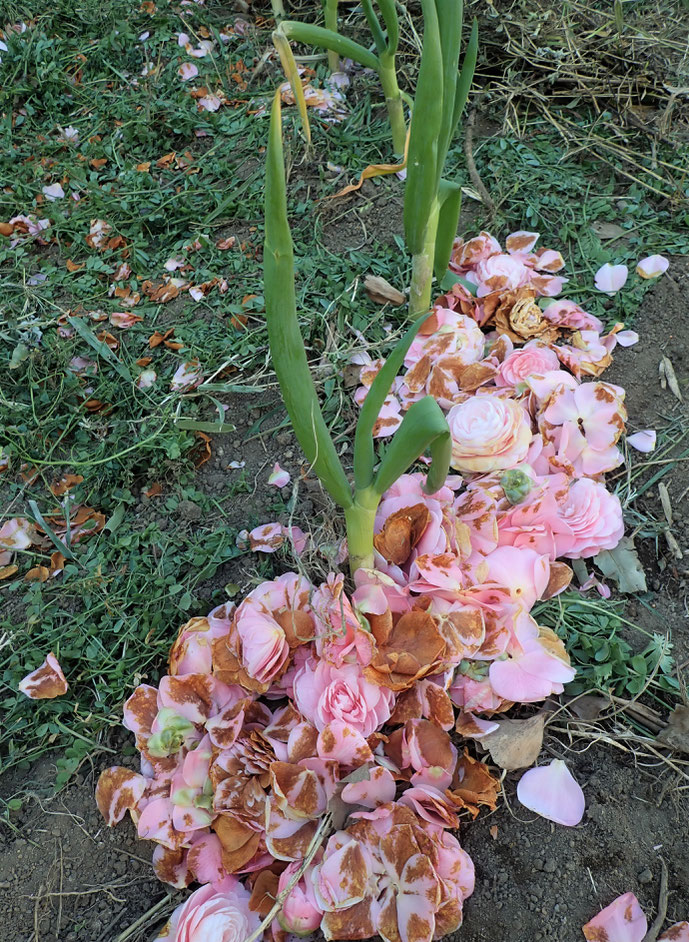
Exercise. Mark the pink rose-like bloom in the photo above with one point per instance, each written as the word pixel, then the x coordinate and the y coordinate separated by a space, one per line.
pixel 594 516
pixel 300 912
pixel 488 434
pixel 500 273
pixel 324 693
pixel 528 361
pixel 216 912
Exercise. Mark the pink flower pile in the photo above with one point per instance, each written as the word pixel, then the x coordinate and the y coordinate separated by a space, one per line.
pixel 297 704
pixel 305 724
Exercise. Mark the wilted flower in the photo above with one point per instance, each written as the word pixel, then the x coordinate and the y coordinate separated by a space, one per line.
pixel 488 434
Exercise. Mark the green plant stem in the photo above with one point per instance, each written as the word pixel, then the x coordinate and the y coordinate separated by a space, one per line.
pixel 422 267
pixel 278 10
pixel 360 518
pixel 393 100
pixel 330 8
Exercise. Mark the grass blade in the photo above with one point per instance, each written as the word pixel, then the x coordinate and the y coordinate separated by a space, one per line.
pixel 289 65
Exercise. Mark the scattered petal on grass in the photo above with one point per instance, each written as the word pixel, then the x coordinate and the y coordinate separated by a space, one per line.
pixel 69 135
pixel 187 376
pixel 621 921
pixel 644 441
pixel 124 319
pixel 610 278
pixel 652 266
pixel 279 477
pixel 553 792
pixel 210 102
pixel 146 379
pixel 53 192
pixel 196 293
pixel 46 682
pixel 16 534
pixel 267 538
pixel 66 483
pixel 188 70
pixel 236 465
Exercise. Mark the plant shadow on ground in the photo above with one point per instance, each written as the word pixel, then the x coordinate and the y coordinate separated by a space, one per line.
pixel 175 182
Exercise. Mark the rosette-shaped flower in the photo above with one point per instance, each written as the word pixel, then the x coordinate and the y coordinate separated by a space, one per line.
pixel 271 621
pixel 300 913
pixel 325 693
pixel 488 434
pixel 594 518
pixel 534 359
pixel 520 318
pixel 216 912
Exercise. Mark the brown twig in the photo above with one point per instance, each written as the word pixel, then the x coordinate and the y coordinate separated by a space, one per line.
pixel 657 924
pixel 486 198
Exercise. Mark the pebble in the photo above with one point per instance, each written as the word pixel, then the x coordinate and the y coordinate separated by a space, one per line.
pixel 549 866
pixel 189 510
pixel 645 876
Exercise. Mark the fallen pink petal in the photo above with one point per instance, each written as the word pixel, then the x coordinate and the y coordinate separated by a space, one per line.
pixel 622 921
pixel 627 338
pixel 552 792
pixel 644 441
pixel 46 682
pixel 188 70
pixel 53 192
pixel 611 278
pixel 653 266
pixel 187 376
pixel 278 476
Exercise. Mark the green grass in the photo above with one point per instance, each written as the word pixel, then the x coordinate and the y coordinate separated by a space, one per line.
pixel 111 616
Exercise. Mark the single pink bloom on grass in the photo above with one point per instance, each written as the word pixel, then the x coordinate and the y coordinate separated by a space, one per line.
pixel 644 441
pixel 611 278
pixel 46 682
pixel 621 921
pixel 553 792
pixel 652 266
pixel 279 477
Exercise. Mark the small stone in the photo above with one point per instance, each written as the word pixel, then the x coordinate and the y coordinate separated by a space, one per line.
pixel 646 876
pixel 549 866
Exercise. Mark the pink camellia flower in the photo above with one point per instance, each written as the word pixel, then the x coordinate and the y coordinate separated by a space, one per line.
pixel 46 682
pixel 500 273
pixel 300 912
pixel 324 693
pixel 611 278
pixel 553 792
pixel 488 434
pixel 622 921
pixel 644 441
pixel 652 266
pixel 532 359
pixel 594 517
pixel 216 912
pixel 278 477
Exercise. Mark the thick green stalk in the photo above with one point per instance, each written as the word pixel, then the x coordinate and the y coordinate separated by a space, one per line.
pixel 422 266
pixel 284 336
pixel 393 99
pixel 360 519
pixel 278 10
pixel 330 8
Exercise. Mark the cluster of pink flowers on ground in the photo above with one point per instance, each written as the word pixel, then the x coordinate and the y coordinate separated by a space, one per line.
pixel 304 705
